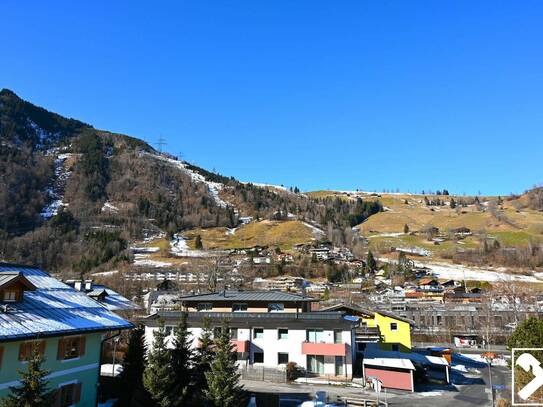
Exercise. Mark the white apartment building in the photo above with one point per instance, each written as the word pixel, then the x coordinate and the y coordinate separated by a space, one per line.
pixel 271 329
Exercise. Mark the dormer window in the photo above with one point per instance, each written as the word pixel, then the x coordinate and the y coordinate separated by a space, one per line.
pixel 12 286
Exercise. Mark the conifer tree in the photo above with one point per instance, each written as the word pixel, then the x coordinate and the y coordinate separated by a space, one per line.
pixel 131 389
pixel 371 264
pixel 198 242
pixel 224 389
pixel 33 391
pixel 157 374
pixel 406 229
pixel 203 358
pixel 453 203
pixel 181 364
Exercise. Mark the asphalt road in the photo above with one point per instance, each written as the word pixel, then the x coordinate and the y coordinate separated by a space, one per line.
pixel 468 389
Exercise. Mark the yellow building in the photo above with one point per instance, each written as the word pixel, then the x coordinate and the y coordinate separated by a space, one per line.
pixel 391 331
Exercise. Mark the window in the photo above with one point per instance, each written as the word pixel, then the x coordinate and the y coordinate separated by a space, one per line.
pixel 338 337
pixel 10 296
pixel 258 333
pixel 1 355
pixel 71 347
pixel 68 395
pixel 393 326
pixel 315 364
pixel 258 357
pixel 282 333
pixel 282 358
pixel 315 335
pixel 239 307
pixel 234 333
pixel 26 349
pixel 276 307
pixel 395 348
pixel 339 365
pixel 204 306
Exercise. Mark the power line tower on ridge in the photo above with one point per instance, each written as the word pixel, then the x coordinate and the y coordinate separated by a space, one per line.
pixel 161 142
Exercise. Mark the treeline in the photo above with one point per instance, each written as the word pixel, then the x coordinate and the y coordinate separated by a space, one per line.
pixel 177 375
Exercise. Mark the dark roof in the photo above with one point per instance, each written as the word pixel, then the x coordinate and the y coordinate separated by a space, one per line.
pixel 258 319
pixel 351 307
pixel 53 309
pixel 230 295
pixel 366 311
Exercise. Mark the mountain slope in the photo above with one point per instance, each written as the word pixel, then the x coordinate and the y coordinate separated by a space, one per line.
pixel 74 197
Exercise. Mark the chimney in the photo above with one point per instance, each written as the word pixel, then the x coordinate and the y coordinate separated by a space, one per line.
pixel 88 285
pixel 77 285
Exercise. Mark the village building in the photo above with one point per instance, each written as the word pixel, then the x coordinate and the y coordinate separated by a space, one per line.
pixel 65 325
pixel 270 329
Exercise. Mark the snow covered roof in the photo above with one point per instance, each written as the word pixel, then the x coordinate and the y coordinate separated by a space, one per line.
pixel 398 363
pixel 113 301
pixel 374 351
pixel 54 308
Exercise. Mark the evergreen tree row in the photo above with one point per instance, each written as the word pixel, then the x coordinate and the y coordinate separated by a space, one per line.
pixel 177 375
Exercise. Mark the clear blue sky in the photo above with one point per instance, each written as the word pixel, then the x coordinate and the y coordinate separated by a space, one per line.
pixel 317 94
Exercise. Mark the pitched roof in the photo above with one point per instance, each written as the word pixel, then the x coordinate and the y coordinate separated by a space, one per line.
pixel 231 295
pixel 8 278
pixel 113 301
pixel 53 309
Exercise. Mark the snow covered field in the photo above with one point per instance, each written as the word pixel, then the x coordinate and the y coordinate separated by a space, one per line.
pixel 461 272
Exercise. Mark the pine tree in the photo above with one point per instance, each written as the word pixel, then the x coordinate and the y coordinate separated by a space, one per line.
pixel 405 229
pixel 198 243
pixel 224 389
pixel 131 389
pixel 33 391
pixel 157 374
pixel 453 203
pixel 203 358
pixel 371 264
pixel 181 364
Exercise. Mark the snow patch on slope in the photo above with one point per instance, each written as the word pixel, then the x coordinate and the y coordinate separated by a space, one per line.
pixel 213 187
pixel 179 248
pixel 318 233
pixel 56 192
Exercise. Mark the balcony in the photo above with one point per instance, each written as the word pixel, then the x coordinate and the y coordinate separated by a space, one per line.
pixel 325 349
pixel 240 346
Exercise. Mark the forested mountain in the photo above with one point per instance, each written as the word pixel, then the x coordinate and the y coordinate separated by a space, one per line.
pixel 73 197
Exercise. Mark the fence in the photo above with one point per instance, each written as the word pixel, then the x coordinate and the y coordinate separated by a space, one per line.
pixel 263 374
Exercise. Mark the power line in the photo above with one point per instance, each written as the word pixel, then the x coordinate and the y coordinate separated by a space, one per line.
pixel 161 142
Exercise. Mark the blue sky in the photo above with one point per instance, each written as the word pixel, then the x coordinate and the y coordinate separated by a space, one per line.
pixel 317 94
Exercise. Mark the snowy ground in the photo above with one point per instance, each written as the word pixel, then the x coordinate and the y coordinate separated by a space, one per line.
pixel 56 192
pixel 179 248
pixel 461 272
pixel 317 232
pixel 107 369
pixel 105 273
pixel 386 235
pixel 109 207
pixel 213 187
pixel 151 263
